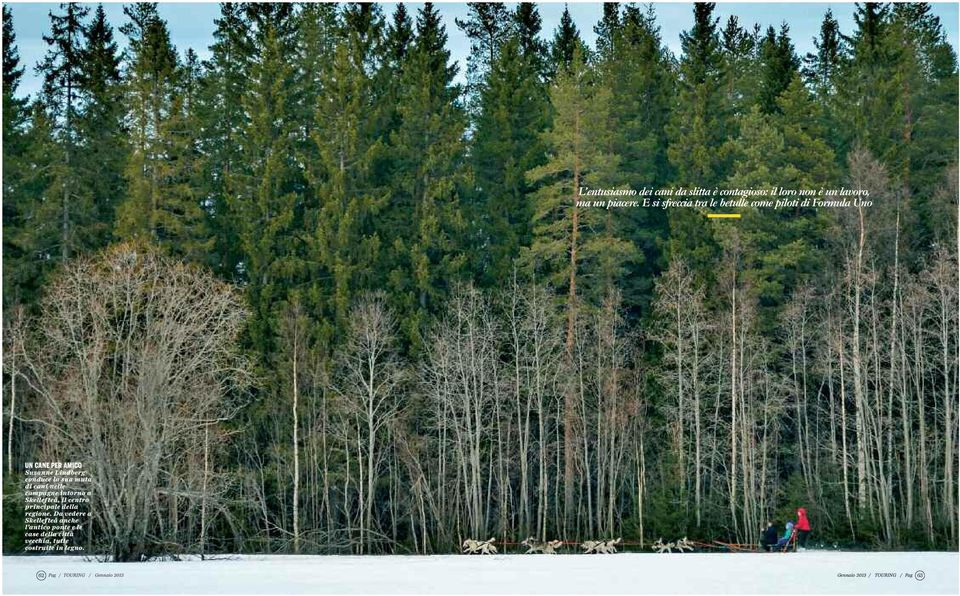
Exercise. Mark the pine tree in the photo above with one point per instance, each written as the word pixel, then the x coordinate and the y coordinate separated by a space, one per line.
pixel 741 66
pixel 571 244
pixel 487 26
pixel 574 247
pixel 820 68
pixel 608 29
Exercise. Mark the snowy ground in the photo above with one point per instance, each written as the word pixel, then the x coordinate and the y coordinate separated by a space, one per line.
pixel 807 572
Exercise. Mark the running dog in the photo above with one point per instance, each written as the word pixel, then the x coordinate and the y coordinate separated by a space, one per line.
pixel 590 546
pixel 610 546
pixel 662 547
pixel 547 548
pixel 601 547
pixel 477 547
pixel 683 545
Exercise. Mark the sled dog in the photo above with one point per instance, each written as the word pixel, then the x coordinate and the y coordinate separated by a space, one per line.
pixel 478 547
pixel 547 548
pixel 662 547
pixel 602 547
pixel 609 547
pixel 683 545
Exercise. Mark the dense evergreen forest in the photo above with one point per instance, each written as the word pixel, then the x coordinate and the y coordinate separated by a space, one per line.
pixel 314 295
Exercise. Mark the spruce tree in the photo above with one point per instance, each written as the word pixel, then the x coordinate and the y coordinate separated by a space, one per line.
pixel 100 125
pixel 428 150
pixel 267 184
pixel 778 66
pixel 866 90
pixel 638 71
pixel 783 248
pixel 699 124
pixel 923 138
pixel 344 242
pixel 566 40
pixel 399 37
pixel 164 203
pixel 698 128
pixel 19 261
pixel 514 109
pixel 62 74
pixel 223 118
pixel 528 24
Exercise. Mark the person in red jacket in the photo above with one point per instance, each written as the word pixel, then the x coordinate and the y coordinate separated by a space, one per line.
pixel 802 527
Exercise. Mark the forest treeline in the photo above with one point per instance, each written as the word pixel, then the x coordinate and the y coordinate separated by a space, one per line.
pixel 313 295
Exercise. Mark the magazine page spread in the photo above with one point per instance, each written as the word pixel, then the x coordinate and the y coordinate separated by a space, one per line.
pixel 459 298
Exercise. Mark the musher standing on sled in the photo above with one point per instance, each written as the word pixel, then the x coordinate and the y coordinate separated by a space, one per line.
pixel 803 528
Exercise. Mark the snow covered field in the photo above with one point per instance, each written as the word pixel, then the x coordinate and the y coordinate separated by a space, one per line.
pixel 808 572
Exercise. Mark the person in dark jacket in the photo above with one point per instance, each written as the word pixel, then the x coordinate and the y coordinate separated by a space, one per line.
pixel 769 537
pixel 803 528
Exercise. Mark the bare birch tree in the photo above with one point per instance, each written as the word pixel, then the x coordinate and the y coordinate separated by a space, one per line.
pixel 136 357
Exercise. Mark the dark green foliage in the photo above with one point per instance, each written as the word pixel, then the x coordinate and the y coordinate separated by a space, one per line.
pixel 164 203
pixel 514 108
pixel 566 40
pixel 17 201
pixel 638 70
pixel 100 126
pixel 778 66
pixel 223 118
pixel 528 24
pixel 427 151
pixel 487 26
pixel 821 67
pixel 698 126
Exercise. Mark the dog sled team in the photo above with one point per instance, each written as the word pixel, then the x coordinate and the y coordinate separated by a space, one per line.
pixel 534 546
pixel 795 534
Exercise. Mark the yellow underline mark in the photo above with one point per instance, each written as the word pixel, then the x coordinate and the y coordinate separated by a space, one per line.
pixel 723 215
